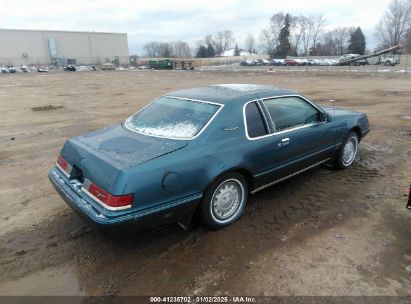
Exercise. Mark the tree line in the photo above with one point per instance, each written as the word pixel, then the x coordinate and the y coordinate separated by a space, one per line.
pixel 300 35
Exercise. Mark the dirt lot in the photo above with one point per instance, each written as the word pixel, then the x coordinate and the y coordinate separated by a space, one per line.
pixel 321 233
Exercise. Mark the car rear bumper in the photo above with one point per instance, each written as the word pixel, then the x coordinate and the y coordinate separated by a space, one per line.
pixel 137 220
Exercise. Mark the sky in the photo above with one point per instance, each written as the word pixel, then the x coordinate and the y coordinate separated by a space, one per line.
pixel 149 20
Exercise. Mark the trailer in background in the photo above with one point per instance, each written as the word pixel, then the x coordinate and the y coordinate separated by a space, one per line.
pixel 390 56
pixel 163 64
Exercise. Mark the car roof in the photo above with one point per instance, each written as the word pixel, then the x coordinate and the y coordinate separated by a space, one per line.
pixel 227 93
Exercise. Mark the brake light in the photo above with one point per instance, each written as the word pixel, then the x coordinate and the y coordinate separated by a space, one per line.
pixel 114 201
pixel 64 166
pixel 62 163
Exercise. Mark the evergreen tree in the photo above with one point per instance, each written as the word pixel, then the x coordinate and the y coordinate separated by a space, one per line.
pixel 236 50
pixel 357 42
pixel 210 50
pixel 284 45
pixel 202 52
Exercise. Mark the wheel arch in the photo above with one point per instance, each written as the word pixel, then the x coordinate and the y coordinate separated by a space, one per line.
pixel 356 130
pixel 243 171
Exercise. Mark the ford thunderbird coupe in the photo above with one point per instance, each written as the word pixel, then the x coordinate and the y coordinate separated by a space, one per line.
pixel 201 152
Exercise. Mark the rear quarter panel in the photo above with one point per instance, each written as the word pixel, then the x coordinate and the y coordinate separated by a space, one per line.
pixel 215 151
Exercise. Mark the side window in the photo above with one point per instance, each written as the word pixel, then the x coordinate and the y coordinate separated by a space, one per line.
pixel 254 120
pixel 289 112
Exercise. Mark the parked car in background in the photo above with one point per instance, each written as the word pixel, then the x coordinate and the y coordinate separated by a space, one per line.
pixel 108 66
pixel 201 151
pixel 332 62
pixel 361 62
pixel 301 61
pixel 278 62
pixel 247 63
pixel 258 62
pixel 322 62
pixel 266 62
pixel 291 62
pixel 312 62
pixel 348 59
pixel 389 59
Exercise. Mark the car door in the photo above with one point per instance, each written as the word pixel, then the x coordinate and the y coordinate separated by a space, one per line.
pixel 302 135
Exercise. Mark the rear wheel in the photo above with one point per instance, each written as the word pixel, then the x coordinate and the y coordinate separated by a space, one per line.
pixel 224 201
pixel 348 152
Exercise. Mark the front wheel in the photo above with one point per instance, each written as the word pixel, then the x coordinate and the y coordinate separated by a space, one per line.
pixel 348 152
pixel 224 201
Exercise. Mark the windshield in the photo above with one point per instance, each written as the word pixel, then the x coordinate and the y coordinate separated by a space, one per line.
pixel 172 118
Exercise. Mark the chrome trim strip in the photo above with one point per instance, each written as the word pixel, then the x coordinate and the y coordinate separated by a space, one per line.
pixel 180 98
pixel 265 110
pixel 262 112
pixel 291 175
pixel 62 170
pixel 103 204
pixel 283 131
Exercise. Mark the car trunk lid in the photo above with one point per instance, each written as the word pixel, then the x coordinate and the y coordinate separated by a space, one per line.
pixel 100 155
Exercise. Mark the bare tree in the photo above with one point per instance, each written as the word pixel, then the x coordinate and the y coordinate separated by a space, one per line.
pixel 328 45
pixel 249 43
pixel 341 38
pixel 269 35
pixel 151 49
pixel 393 25
pixel 268 41
pixel 218 42
pixel 298 27
pixel 408 41
pixel 182 49
pixel 307 35
pixel 228 39
pixel 318 24
pixel 314 28
pixel 159 49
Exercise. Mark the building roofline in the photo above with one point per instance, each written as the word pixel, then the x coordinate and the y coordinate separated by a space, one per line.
pixel 63 31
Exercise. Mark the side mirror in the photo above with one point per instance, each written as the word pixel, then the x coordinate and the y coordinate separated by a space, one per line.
pixel 323 117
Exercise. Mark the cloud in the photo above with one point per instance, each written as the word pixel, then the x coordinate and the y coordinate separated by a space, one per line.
pixel 147 20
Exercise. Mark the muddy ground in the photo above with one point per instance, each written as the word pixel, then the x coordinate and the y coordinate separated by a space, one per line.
pixel 321 233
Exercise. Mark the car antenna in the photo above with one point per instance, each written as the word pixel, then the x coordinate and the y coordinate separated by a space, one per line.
pixel 332 102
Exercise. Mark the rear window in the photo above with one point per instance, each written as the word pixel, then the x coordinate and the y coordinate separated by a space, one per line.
pixel 255 124
pixel 172 118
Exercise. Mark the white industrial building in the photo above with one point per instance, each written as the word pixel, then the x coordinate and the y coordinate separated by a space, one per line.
pixel 44 47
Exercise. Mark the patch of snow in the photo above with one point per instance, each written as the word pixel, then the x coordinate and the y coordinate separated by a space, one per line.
pixel 179 130
pixel 241 87
pixel 230 52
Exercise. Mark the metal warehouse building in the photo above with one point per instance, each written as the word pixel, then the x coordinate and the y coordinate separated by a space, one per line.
pixel 38 47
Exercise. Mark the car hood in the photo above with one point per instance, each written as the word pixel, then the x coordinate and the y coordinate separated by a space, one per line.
pixel 102 154
pixel 340 113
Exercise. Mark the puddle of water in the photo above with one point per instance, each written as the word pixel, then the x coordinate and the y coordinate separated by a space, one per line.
pixel 407 117
pixel 51 281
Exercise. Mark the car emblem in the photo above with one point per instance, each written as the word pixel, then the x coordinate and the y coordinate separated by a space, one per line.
pixel 100 195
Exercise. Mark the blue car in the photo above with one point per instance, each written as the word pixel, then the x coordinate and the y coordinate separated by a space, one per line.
pixel 201 152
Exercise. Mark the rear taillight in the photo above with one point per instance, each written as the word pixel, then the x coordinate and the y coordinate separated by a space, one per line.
pixel 107 200
pixel 63 165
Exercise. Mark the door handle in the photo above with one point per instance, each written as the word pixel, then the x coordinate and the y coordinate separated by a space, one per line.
pixel 285 140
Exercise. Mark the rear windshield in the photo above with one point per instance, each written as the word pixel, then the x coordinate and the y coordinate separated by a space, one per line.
pixel 172 118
